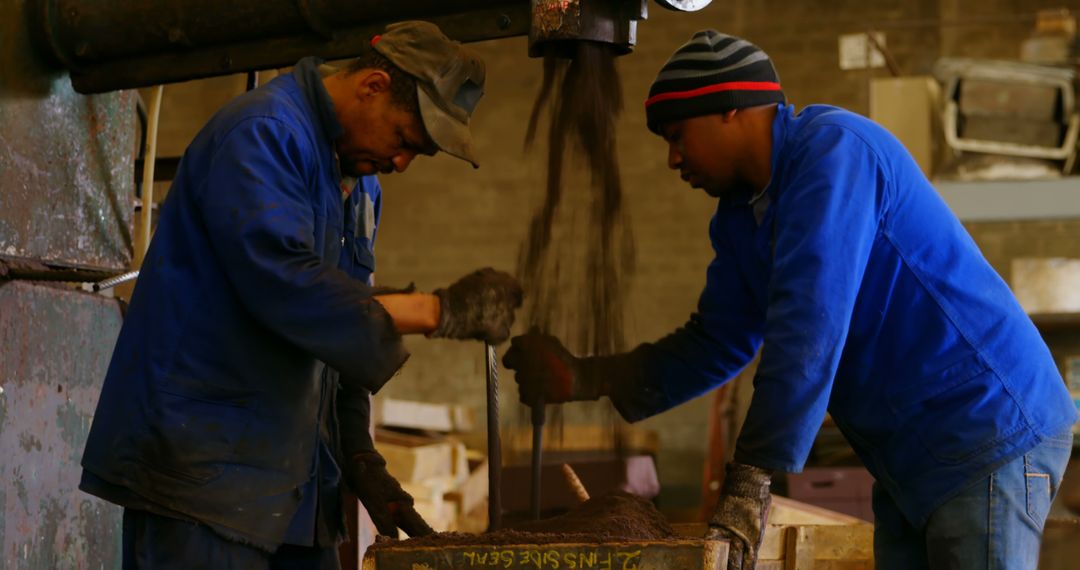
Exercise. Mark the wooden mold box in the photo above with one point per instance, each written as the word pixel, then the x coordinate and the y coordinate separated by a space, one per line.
pixel 685 554
pixel 799 537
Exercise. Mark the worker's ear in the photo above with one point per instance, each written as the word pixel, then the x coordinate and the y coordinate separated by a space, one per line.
pixel 371 82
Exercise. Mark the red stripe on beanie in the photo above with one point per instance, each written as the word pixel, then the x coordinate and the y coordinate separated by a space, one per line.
pixel 714 88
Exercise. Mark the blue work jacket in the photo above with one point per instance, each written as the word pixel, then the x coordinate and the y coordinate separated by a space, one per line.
pixel 257 275
pixel 871 301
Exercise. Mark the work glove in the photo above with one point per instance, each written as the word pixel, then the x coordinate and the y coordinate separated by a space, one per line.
pixel 364 470
pixel 389 506
pixel 741 513
pixel 546 372
pixel 479 306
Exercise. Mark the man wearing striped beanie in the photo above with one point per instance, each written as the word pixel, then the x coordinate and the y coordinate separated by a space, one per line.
pixel 868 300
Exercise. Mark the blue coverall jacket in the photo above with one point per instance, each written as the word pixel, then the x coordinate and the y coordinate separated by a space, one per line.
pixel 257 274
pixel 871 302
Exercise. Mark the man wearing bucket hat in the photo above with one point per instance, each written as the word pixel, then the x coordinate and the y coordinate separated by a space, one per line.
pixel 835 256
pixel 237 395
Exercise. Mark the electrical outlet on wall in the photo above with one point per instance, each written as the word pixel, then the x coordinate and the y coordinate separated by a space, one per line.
pixel 858 52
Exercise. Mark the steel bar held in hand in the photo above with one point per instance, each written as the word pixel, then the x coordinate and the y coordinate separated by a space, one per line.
pixel 494 443
pixel 537 456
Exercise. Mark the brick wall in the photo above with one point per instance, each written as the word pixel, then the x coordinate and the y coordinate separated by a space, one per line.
pixel 443 219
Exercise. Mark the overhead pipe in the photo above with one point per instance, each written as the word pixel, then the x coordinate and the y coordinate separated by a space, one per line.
pixel 122 44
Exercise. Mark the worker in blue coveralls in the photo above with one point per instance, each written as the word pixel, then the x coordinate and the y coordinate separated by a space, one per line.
pixel 835 257
pixel 238 392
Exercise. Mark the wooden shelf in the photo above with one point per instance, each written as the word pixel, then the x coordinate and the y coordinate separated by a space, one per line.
pixel 1012 200
pixel 1056 322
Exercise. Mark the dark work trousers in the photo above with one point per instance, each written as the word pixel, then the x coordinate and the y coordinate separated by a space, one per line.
pixel 153 542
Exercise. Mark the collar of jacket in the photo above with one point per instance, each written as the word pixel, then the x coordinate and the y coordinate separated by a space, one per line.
pixel 784 113
pixel 309 77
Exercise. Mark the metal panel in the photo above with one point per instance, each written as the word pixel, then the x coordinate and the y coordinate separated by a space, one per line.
pixel 55 346
pixel 182 40
pixel 66 163
pixel 197 63
pixel 84 31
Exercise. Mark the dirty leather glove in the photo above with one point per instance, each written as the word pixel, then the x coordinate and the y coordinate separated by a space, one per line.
pixel 364 470
pixel 389 506
pixel 741 513
pixel 479 306
pixel 546 372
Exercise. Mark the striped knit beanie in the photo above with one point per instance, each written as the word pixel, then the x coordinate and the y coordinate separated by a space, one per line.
pixel 711 73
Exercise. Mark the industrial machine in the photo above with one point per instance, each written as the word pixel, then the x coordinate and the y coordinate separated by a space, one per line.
pixel 130 43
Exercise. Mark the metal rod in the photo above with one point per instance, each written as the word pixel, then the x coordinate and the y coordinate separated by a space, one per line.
pixel 493 441
pixel 142 239
pixel 114 281
pixel 537 456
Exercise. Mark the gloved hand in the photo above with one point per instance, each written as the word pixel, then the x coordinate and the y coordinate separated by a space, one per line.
pixel 741 513
pixel 364 470
pixel 389 506
pixel 546 372
pixel 479 306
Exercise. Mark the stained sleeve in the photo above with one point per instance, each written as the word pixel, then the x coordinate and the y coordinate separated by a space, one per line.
pixel 827 219
pixel 258 209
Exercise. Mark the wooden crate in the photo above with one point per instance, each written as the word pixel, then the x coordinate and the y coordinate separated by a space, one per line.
pixel 391 412
pixel 414 459
pixel 807 537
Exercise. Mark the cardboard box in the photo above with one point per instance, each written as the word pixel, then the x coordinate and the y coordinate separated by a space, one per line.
pixel 1047 284
pixel 909 107
pixel 847 490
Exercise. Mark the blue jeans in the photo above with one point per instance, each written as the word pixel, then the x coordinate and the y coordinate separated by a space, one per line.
pixel 995 523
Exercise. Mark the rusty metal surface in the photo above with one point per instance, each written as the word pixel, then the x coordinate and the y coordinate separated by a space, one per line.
pixel 84 31
pixel 55 346
pixel 559 22
pixel 169 67
pixel 690 554
pixel 66 184
pixel 178 40
pixel 181 40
